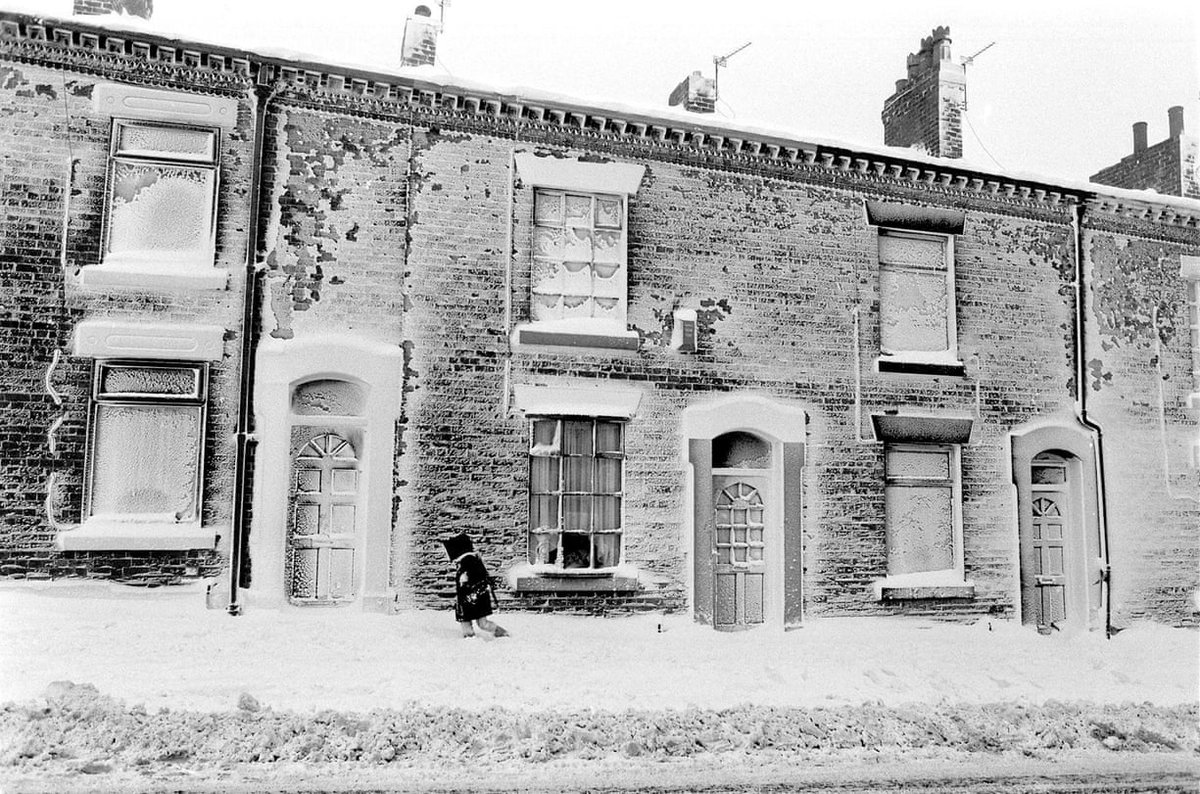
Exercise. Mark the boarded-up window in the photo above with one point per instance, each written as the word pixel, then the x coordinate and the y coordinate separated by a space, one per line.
pixel 922 505
pixel 578 257
pixel 162 185
pixel 146 441
pixel 576 485
pixel 916 293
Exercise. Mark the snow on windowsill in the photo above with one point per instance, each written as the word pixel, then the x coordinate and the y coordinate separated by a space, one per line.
pixel 158 272
pixel 577 332
pixel 137 532
pixel 525 571
pixel 941 357
pixel 940 584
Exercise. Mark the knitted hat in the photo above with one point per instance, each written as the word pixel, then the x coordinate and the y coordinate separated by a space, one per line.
pixel 458 545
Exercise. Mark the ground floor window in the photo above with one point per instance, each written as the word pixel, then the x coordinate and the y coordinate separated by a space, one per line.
pixel 147 438
pixel 923 508
pixel 576 485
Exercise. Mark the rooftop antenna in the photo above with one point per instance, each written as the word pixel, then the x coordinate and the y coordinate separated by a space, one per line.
pixel 443 4
pixel 718 62
pixel 970 59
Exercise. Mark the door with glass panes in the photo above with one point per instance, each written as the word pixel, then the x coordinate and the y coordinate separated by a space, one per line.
pixel 322 538
pixel 1047 558
pixel 739 550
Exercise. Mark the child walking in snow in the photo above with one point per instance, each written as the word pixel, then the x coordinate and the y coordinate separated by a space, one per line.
pixel 474 597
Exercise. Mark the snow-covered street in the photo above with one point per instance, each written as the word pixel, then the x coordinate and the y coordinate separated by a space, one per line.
pixel 164 648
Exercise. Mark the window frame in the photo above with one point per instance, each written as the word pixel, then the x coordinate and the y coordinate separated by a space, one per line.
pixel 100 398
pixel 953 482
pixel 898 359
pixel 558 568
pixel 203 260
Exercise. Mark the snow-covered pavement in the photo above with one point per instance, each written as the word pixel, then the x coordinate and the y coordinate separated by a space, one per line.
pixel 163 648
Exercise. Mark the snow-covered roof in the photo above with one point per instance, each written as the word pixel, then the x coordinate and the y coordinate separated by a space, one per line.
pixel 432 77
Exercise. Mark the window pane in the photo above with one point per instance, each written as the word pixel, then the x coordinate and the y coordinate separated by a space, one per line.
pixel 145 459
pixel 543 475
pixel 577 437
pixel 607 247
pixel 607 512
pixel 912 311
pixel 607 550
pixel 545 436
pixel 920 531
pixel 577 513
pixel 577 475
pixel 608 437
pixel 579 210
pixel 919 252
pixel 547 207
pixel 608 212
pixel 930 465
pixel 543 512
pixel 543 548
pixel 174 143
pixel 576 549
pixel 332 397
pixel 160 210
pixel 608 475
pixel 183 382
pixel 1048 475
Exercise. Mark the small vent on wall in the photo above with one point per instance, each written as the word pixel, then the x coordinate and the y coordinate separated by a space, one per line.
pixel 683 332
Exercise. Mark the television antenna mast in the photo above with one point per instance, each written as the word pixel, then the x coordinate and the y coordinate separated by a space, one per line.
pixel 718 62
pixel 970 59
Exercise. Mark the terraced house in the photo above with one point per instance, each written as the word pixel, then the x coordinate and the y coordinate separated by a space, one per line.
pixel 288 324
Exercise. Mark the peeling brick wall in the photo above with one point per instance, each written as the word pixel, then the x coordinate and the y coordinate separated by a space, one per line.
pixel 1139 344
pixel 59 151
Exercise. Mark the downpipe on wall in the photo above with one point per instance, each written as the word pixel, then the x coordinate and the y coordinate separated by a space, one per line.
pixel 1082 413
pixel 245 441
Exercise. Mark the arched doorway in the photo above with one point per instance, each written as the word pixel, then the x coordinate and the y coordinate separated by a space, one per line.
pixel 745 485
pixel 1060 545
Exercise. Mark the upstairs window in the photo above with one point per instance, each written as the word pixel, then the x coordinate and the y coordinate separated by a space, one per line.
pixel 922 504
pixel 146 442
pixel 576 485
pixel 162 184
pixel 916 297
pixel 579 269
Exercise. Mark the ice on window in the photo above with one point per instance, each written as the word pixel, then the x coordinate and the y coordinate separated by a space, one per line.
pixel 913 311
pixel 160 210
pixel 920 529
pixel 149 380
pixel 146 460
pixel 180 143
pixel 917 252
pixel 331 397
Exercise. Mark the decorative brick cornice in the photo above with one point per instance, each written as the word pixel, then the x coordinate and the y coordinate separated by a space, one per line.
pixel 159 60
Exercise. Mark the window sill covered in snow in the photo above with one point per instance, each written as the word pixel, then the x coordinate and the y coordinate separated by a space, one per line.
pixel 147 532
pixel 926 584
pixel 583 332
pixel 528 578
pixel 177 274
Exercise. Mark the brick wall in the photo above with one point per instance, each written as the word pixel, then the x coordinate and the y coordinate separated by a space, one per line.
pixel 60 150
pixel 1158 167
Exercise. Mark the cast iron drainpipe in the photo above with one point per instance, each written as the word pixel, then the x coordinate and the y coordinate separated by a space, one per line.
pixel 1081 411
pixel 245 441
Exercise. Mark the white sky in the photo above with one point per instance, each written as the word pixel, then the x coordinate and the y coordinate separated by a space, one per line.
pixel 1056 95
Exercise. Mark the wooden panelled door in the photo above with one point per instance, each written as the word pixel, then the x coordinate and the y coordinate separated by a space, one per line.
pixel 323 537
pixel 739 550
pixel 1047 553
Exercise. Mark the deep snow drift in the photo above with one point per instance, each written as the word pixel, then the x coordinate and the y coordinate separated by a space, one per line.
pixel 162 648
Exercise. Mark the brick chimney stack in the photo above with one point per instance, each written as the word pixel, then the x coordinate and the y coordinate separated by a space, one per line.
pixel 137 8
pixel 926 110
pixel 420 39
pixel 696 93
pixel 1171 166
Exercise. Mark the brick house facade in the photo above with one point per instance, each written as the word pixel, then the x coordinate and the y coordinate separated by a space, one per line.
pixel 649 362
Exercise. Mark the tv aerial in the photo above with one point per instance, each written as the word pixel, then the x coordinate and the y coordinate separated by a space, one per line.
pixel 718 62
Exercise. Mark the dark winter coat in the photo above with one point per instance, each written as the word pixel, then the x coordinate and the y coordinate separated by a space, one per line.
pixel 474 596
